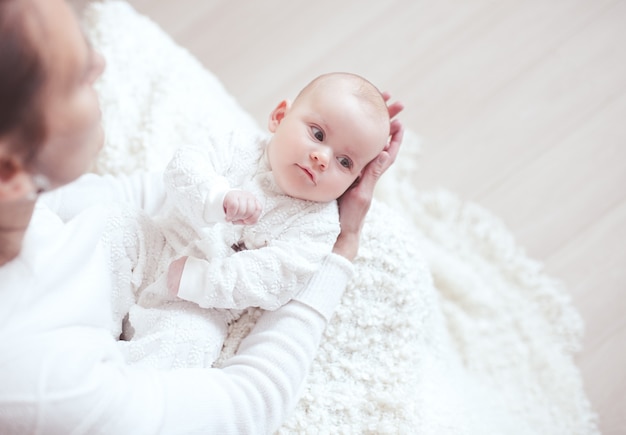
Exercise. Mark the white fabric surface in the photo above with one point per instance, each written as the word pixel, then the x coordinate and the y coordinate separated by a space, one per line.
pixel 447 327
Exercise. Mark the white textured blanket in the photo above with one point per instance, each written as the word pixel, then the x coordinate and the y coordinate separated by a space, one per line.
pixel 447 327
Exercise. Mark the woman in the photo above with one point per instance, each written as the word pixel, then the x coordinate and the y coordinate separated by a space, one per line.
pixel 60 368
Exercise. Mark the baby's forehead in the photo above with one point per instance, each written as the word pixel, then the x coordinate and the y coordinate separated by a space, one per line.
pixel 337 92
pixel 348 85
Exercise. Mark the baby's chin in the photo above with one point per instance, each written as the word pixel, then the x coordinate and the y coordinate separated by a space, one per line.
pixel 313 194
pixel 316 197
pixel 306 196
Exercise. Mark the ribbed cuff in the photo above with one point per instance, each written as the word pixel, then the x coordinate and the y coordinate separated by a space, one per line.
pixel 326 287
pixel 214 201
pixel 191 287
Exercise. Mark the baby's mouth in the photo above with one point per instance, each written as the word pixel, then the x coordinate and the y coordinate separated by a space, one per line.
pixel 312 176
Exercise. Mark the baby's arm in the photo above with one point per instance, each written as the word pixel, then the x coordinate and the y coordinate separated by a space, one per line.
pixel 266 277
pixel 199 178
pixel 193 184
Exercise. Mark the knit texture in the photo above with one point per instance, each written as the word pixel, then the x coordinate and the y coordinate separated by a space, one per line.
pixel 447 326
pixel 276 256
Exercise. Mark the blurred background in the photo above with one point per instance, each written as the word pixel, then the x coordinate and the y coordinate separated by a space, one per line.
pixel 520 105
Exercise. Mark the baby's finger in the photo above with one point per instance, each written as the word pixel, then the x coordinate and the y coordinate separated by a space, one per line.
pixel 253 212
pixel 233 208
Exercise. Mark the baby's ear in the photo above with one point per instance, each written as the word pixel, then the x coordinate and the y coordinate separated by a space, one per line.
pixel 278 114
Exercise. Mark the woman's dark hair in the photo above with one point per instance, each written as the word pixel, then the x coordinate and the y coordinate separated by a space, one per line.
pixel 22 79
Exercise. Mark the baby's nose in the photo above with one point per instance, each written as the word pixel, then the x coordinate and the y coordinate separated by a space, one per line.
pixel 320 157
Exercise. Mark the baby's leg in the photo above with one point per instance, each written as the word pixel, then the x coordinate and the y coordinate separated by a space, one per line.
pixel 174 334
pixel 133 241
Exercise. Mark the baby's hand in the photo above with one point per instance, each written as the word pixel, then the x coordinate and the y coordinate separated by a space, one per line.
pixel 242 207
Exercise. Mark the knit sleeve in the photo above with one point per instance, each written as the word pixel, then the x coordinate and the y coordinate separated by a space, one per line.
pixel 194 183
pixel 266 277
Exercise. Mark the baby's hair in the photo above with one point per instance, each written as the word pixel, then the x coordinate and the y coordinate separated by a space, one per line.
pixel 361 88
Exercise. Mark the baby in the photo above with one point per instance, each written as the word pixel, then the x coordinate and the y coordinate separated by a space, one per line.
pixel 258 244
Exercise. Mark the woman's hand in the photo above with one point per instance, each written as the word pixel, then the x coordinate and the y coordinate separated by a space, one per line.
pixel 394 109
pixel 355 202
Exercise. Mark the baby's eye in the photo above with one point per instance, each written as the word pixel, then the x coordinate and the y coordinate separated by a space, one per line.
pixel 319 134
pixel 345 162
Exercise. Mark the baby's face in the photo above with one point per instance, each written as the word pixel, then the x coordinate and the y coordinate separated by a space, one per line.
pixel 322 142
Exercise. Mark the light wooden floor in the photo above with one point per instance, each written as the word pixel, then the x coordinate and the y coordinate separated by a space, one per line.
pixel 521 106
